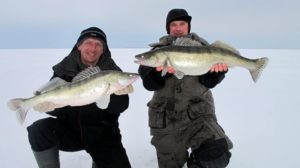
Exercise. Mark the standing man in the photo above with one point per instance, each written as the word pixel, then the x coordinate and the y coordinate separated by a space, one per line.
pixel 181 111
pixel 83 127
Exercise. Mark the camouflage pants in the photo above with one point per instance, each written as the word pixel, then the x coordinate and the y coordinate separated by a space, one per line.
pixel 172 148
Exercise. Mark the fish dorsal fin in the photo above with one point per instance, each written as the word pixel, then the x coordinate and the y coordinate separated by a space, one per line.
pixel 223 45
pixel 51 85
pixel 184 41
pixel 88 72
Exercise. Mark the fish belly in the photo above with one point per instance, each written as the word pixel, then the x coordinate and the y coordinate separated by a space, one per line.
pixel 76 96
pixel 192 64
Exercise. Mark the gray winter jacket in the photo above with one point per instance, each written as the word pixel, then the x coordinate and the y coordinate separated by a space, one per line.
pixel 178 102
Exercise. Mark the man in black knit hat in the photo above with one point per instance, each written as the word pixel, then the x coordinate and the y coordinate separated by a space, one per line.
pixel 83 127
pixel 181 112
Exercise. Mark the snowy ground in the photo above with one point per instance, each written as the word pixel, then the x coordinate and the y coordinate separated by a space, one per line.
pixel 261 118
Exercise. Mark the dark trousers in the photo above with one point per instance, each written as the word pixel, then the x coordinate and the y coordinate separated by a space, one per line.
pixel 102 142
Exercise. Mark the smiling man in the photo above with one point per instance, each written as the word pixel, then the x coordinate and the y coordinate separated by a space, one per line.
pixel 84 127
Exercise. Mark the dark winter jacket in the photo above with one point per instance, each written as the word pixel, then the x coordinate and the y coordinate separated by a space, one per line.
pixel 176 102
pixel 88 115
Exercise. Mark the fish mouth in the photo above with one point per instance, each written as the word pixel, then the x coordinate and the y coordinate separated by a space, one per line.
pixel 137 61
pixel 133 76
pixel 138 58
pixel 132 79
pixel 143 62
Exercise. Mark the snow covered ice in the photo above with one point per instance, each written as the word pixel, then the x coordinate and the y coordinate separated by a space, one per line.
pixel 262 119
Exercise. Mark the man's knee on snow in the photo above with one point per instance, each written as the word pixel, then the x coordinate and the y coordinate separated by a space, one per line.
pixel 39 136
pixel 171 159
pixel 213 154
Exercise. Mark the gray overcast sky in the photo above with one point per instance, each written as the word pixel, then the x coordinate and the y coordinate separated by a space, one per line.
pixel 258 24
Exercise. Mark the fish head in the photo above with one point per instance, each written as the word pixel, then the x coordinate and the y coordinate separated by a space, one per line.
pixel 128 78
pixel 150 58
pixel 123 79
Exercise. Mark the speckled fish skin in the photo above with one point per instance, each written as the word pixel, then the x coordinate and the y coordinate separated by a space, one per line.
pixel 197 60
pixel 95 88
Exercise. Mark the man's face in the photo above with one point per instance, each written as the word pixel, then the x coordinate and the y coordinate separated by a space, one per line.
pixel 91 49
pixel 179 28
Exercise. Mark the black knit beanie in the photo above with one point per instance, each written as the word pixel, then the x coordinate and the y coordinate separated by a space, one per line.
pixel 93 32
pixel 178 14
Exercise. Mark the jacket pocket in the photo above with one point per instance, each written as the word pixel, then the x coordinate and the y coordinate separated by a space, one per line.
pixel 196 108
pixel 157 114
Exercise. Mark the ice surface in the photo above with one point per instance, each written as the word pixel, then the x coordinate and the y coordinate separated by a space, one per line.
pixel 262 119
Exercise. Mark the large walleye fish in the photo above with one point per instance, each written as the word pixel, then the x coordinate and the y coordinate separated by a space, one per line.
pixel 188 57
pixel 89 86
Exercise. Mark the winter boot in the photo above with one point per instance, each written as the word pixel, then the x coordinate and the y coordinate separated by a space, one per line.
pixel 94 165
pixel 48 158
pixel 192 163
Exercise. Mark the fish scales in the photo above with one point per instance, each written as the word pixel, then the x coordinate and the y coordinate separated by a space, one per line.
pixel 197 60
pixel 96 87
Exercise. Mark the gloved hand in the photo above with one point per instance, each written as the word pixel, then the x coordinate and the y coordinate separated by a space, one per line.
pixel 126 90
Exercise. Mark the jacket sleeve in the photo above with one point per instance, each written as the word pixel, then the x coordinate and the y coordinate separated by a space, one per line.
pixel 211 79
pixel 152 80
pixel 59 112
pixel 91 114
pixel 117 104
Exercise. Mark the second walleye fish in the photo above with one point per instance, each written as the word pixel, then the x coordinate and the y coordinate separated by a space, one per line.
pixel 89 86
pixel 197 60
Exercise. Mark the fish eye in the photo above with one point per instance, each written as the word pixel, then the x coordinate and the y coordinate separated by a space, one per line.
pixel 131 75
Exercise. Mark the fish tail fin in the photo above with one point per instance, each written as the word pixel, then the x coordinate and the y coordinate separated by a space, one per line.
pixel 18 106
pixel 261 63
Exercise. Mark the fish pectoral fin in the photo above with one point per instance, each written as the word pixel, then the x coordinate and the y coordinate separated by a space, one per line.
pixel 46 107
pixel 164 72
pixel 165 69
pixel 179 74
pixel 103 102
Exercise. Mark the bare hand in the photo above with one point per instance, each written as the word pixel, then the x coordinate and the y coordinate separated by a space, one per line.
pixel 170 69
pixel 219 68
